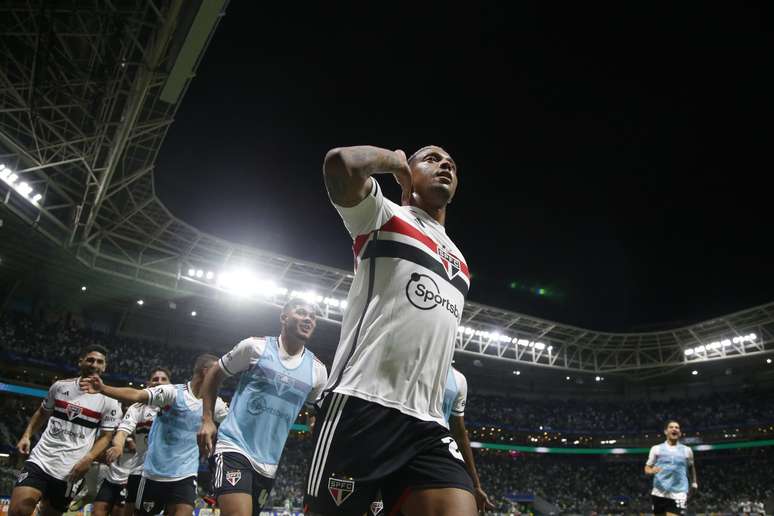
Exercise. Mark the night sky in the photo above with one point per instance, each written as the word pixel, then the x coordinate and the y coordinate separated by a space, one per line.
pixel 617 159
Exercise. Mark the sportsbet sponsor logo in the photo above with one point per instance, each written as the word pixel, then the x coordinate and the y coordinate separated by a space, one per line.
pixel 422 291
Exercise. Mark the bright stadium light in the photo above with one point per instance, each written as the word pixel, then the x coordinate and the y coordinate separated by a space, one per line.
pixel 768 360
pixel 688 352
pixel 598 379
pixel 140 302
pixel 567 378
pixel 193 314
pixel 517 372
pixel 22 188
pixel 694 372
pixel 523 342
pixel 83 288
pixel 210 275
pixel 192 272
pixel 199 273
pixel 540 345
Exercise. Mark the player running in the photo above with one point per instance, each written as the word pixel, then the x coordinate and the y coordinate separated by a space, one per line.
pixel 383 425
pixel 278 375
pixel 171 465
pixel 69 444
pixel 126 468
pixel 669 463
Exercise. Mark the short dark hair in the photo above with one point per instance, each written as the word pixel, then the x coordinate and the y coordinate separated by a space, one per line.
pixel 163 370
pixel 93 347
pixel 203 361
pixel 298 301
pixel 670 421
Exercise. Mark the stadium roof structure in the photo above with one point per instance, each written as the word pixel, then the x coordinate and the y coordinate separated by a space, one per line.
pixel 87 93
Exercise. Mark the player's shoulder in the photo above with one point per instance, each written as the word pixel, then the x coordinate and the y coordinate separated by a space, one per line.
pixel 317 363
pixel 254 341
pixel 67 387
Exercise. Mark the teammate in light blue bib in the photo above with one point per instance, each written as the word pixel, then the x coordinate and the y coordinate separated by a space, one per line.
pixel 278 375
pixel 669 463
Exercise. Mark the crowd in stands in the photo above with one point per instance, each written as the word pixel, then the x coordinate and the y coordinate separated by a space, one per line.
pixel 574 484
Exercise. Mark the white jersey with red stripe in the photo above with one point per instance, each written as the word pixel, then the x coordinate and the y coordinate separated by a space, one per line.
pixel 404 307
pixel 137 423
pixel 72 428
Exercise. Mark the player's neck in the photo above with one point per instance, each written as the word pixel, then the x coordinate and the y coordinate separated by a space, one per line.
pixel 672 442
pixel 436 213
pixel 291 346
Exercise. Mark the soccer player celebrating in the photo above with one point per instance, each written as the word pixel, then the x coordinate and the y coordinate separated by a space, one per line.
pixel 383 424
pixel 126 469
pixel 171 465
pixel 277 376
pixel 669 462
pixel 69 444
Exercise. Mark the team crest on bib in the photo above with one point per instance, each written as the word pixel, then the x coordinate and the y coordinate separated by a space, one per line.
pixel 148 506
pixel 451 263
pixel 282 383
pixel 340 490
pixel 232 477
pixel 73 411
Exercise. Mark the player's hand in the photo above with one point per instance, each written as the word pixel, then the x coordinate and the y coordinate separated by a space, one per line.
pixel 80 469
pixel 112 454
pixel 206 438
pixel 129 445
pixel 403 177
pixel 482 500
pixel 656 469
pixel 91 384
pixel 23 446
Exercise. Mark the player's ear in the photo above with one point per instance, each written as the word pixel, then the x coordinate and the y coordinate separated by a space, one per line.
pixel 283 317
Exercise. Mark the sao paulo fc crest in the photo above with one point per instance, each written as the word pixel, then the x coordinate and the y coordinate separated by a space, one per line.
pixel 340 490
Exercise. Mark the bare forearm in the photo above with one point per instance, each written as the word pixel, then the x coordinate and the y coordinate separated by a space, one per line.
pixel 38 419
pixel 119 439
pixel 210 387
pixel 649 470
pixel 461 436
pixel 100 445
pixel 347 170
pixel 126 394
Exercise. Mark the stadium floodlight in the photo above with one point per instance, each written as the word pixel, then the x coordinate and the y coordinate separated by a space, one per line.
pixel 540 346
pixel 550 349
pixel 199 273
pixel 22 188
pixel 83 288
pixel 567 378
pixel 193 314
pixel 694 372
pixel 140 302
pixel 768 360
pixel 725 343
pixel 210 275
pixel 523 342
pixel 192 272
pixel 598 379
pixel 517 372
pixel 688 352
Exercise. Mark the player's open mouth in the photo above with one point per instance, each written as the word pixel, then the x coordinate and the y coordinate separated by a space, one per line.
pixel 306 327
pixel 444 177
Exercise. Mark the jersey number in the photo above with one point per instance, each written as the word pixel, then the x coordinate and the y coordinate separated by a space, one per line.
pixel 453 449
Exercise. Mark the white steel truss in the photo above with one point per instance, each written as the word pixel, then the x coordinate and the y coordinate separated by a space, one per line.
pixel 88 90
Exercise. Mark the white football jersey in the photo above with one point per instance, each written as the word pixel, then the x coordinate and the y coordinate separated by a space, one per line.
pixel 72 428
pixel 404 306
pixel 137 423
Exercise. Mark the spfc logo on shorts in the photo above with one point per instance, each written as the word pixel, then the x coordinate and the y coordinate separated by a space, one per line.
pixel 232 477
pixel 73 411
pixel 450 262
pixel 22 476
pixel 377 508
pixel 340 490
pixel 148 506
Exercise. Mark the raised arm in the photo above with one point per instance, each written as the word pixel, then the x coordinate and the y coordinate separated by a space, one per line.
pixel 347 171
pixel 93 384
pixel 460 434
pixel 37 421
pixel 209 389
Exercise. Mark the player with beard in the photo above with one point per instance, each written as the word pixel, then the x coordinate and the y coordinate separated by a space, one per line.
pixel 69 444
pixel 278 375
pixel 171 464
pixel 123 478
pixel 669 463
pixel 383 423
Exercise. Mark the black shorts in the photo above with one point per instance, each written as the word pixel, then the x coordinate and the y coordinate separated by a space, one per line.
pixel 233 473
pixel 111 493
pixel 58 493
pixel 131 488
pixel 361 447
pixel 153 496
pixel 665 505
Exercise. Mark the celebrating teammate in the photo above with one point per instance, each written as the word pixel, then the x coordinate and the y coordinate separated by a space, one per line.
pixel 69 444
pixel 126 469
pixel 383 424
pixel 669 463
pixel 171 464
pixel 277 376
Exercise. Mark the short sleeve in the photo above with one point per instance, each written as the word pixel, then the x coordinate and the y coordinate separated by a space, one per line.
pixel 652 457
pixel 221 410
pixel 458 407
pixel 50 400
pixel 161 395
pixel 111 415
pixel 369 214
pixel 242 356
pixel 319 380
pixel 129 423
